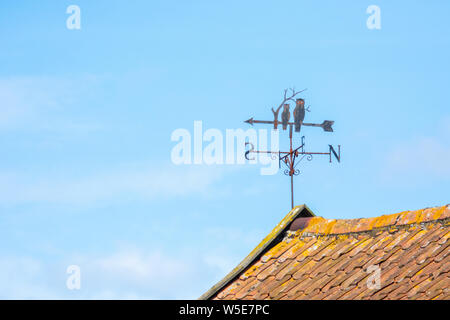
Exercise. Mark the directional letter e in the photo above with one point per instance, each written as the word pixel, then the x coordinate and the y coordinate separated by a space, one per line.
pixel 74 21
pixel 74 280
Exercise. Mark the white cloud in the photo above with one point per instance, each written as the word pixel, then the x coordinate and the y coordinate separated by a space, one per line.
pixel 137 182
pixel 24 97
pixel 128 273
pixel 422 156
pixel 140 267
pixel 234 235
pixel 221 263
pixel 37 102
pixel 22 278
pixel 426 156
pixel 157 274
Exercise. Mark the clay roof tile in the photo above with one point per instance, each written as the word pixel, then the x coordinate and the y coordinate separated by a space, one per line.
pixel 308 257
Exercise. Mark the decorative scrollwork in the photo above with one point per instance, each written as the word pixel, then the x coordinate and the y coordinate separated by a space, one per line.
pixel 288 161
pixel 287 172
pixel 309 157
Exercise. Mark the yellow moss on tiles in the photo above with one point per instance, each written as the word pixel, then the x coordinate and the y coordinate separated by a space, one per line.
pixel 297 246
pixel 413 239
pixel 432 214
pixel 319 225
pixel 250 272
pixel 364 224
pixel 274 251
pixel 311 249
pixel 385 220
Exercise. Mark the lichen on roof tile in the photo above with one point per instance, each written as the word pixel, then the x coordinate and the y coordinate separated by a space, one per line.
pixel 335 259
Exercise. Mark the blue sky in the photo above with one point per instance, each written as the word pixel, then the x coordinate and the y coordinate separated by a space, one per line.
pixel 86 117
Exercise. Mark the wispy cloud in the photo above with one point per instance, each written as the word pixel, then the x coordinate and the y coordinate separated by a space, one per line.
pixel 127 273
pixel 425 156
pixel 422 156
pixel 139 182
pixel 141 273
pixel 229 235
pixel 39 102
pixel 23 278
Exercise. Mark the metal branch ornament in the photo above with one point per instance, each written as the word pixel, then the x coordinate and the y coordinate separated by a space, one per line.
pixel 292 157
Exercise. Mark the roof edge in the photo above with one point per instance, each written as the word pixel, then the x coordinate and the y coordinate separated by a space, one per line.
pixel 281 227
pixel 322 226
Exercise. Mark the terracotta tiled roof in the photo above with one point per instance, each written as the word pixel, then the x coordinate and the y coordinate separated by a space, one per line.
pixel 316 258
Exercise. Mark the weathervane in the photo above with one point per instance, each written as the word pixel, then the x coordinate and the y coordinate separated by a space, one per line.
pixel 292 157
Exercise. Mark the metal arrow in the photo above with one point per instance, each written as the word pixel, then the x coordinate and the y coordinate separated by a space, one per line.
pixel 326 125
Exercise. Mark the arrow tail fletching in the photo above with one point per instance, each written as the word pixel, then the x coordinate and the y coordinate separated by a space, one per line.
pixel 327 126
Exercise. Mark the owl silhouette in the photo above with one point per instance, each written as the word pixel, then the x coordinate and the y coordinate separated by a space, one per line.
pixel 299 114
pixel 285 116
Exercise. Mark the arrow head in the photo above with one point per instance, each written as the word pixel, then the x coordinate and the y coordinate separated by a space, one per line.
pixel 250 121
pixel 327 126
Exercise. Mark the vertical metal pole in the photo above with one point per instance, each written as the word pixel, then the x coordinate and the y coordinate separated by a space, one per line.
pixel 290 137
pixel 291 172
pixel 292 191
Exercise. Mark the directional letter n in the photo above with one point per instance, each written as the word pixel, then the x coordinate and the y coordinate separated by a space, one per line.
pixel 336 155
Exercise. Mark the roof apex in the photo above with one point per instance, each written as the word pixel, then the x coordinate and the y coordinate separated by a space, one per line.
pixel 281 227
pixel 302 220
